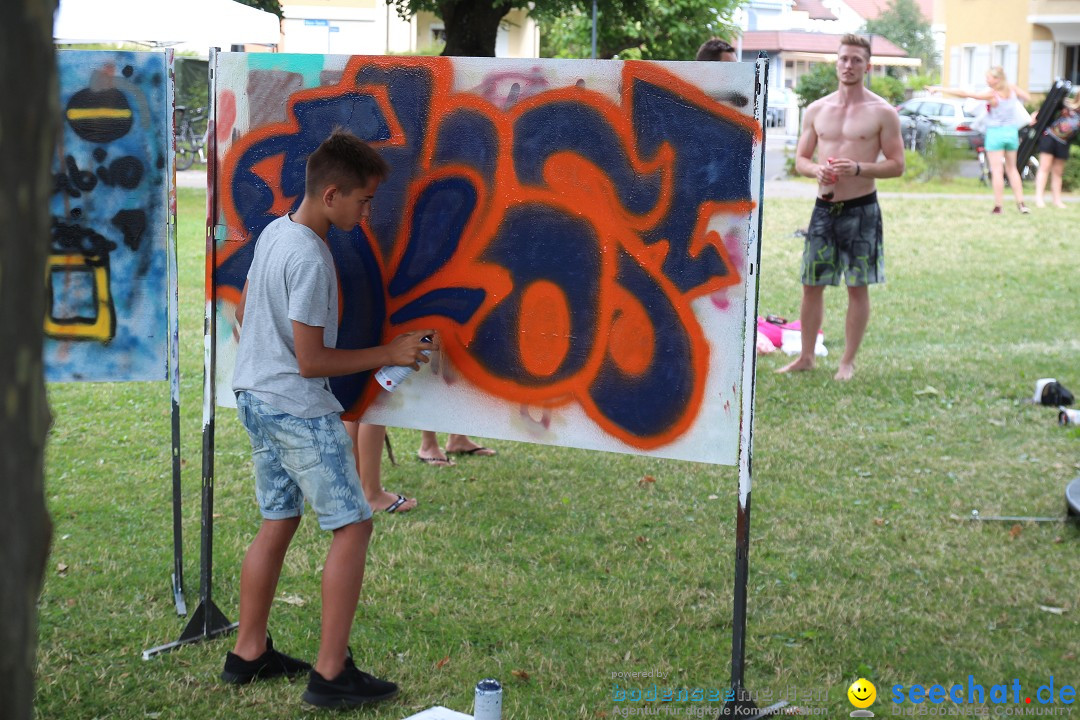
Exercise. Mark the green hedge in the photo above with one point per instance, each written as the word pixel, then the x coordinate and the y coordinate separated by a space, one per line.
pixel 1071 179
pixel 914 165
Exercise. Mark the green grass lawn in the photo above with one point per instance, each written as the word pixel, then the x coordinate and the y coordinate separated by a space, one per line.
pixel 951 186
pixel 956 185
pixel 553 568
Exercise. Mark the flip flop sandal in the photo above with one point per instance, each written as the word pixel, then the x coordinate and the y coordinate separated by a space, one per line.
pixel 474 451
pixel 401 500
pixel 437 462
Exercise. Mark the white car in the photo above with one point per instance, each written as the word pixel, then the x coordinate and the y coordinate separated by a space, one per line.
pixel 926 119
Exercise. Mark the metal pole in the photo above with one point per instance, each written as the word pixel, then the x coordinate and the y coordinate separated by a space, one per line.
pixel 207 621
pixel 738 703
pixel 593 29
pixel 746 447
pixel 174 354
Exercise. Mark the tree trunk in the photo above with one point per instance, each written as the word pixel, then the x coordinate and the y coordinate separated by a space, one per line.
pixel 28 117
pixel 471 26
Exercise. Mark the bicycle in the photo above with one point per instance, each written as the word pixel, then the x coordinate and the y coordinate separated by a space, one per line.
pixel 1031 168
pixel 190 136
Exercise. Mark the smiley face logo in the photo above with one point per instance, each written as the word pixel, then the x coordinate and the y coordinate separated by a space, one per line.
pixel 862 693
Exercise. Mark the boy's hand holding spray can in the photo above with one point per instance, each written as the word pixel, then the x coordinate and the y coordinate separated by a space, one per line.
pixel 390 376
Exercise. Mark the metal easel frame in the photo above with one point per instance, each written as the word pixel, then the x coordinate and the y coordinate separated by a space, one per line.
pixel 207 621
pixel 738 702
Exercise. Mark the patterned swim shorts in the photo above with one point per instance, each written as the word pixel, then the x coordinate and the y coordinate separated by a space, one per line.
pixel 844 239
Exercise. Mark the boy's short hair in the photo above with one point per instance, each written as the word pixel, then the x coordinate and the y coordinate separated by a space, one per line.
pixel 343 160
pixel 713 48
pixel 854 40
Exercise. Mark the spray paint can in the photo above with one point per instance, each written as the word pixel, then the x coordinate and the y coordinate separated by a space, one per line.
pixel 488 705
pixel 1068 417
pixel 390 376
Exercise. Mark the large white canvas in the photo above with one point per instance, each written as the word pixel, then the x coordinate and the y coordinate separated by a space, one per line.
pixel 577 231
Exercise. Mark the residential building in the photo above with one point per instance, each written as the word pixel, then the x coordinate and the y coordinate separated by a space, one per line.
pixel 798 34
pixel 794 52
pixel 1035 41
pixel 374 27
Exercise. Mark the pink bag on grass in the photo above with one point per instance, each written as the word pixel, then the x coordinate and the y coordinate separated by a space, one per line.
pixel 773 330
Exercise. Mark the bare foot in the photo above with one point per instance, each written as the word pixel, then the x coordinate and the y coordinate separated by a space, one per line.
pixel 431 453
pixel 1060 205
pixel 1039 203
pixel 846 371
pixel 387 500
pixel 799 365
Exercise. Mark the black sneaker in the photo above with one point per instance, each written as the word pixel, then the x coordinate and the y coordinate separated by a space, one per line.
pixel 270 664
pixel 352 687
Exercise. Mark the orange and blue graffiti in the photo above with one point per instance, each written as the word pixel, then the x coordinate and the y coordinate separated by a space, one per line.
pixel 556 236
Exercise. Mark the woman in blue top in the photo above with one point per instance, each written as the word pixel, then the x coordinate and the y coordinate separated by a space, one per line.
pixel 1005 114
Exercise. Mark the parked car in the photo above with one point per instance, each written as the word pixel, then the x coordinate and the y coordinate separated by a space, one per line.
pixel 926 119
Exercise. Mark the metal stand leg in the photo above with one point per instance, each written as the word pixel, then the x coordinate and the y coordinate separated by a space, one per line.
pixel 178 544
pixel 739 703
pixel 207 621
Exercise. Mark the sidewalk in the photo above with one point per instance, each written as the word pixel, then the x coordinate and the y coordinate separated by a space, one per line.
pixel 191 179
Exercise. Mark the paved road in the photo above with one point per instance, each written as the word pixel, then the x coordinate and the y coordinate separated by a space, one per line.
pixel 191 178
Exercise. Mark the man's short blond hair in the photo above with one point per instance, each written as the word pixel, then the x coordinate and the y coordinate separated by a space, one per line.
pixel 856 41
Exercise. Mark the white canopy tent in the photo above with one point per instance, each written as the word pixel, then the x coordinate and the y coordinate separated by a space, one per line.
pixel 185 24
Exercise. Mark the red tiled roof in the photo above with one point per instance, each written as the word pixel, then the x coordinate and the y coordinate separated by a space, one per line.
pixel 816 8
pixel 871 9
pixel 797 41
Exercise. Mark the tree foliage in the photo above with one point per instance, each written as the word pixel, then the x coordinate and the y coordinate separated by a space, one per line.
pixel 471 25
pixel 648 30
pixel 651 29
pixel 1071 176
pixel 272 6
pixel 918 81
pixel 904 25
pixel 821 80
pixel 818 82
pixel 888 87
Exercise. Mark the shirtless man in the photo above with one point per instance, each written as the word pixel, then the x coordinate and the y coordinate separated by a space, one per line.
pixel 850 129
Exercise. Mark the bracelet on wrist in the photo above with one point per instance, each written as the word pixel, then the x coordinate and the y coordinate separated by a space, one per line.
pixel 858 168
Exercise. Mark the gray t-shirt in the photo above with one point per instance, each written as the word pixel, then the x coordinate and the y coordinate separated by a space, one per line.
pixel 291 278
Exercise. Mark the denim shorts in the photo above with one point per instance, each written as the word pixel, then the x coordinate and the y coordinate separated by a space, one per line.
pixel 302 458
pixel 1002 138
